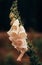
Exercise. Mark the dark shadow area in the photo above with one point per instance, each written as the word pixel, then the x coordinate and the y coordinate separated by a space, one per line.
pixel 30 11
pixel 4 14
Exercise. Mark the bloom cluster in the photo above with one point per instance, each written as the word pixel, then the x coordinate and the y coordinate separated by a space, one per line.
pixel 18 36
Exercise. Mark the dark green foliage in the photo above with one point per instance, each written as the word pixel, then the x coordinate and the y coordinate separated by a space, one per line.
pixel 8 60
pixel 33 57
pixel 1 62
pixel 38 44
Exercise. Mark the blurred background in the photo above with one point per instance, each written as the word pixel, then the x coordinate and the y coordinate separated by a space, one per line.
pixel 31 14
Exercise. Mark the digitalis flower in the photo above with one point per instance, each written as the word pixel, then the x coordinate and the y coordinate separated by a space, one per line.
pixel 22 32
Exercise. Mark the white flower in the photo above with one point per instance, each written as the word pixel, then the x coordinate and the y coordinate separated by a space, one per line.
pixel 14 29
pixel 22 32
pixel 18 42
pixel 16 22
pixel 18 36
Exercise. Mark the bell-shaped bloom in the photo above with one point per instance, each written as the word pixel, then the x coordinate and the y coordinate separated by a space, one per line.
pixel 22 32
pixel 14 29
pixel 18 36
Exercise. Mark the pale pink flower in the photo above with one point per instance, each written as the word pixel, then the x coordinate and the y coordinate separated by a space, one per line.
pixel 18 36
pixel 22 32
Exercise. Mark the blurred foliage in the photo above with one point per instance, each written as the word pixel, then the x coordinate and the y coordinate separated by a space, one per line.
pixel 38 44
pixel 8 60
pixel 33 57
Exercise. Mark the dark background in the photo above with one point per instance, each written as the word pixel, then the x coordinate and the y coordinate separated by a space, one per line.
pixel 30 11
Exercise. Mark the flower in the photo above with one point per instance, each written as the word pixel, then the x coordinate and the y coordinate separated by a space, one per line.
pixel 16 22
pixel 18 36
pixel 18 42
pixel 11 15
pixel 22 35
pixel 12 21
pixel 22 32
